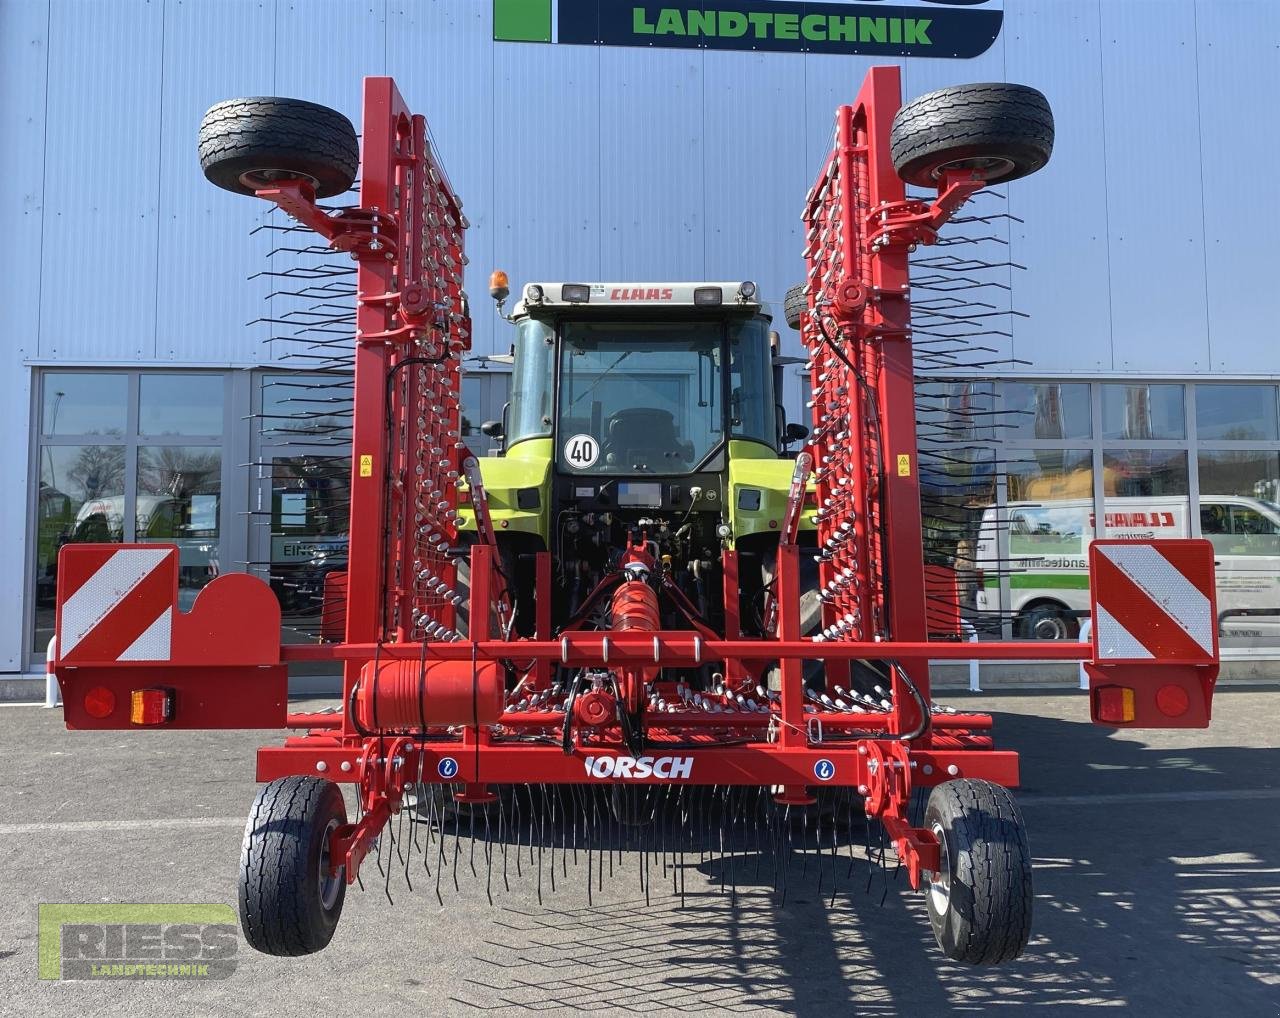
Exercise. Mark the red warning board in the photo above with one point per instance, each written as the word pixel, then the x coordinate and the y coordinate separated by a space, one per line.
pixel 115 603
pixel 1153 602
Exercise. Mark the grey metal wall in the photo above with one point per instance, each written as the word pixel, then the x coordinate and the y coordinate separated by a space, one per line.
pixel 1146 240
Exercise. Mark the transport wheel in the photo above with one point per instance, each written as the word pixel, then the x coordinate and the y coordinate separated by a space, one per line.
pixel 980 900
pixel 289 904
pixel 794 304
pixel 246 144
pixel 1048 622
pixel 999 131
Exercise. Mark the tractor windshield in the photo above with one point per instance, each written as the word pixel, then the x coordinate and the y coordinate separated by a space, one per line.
pixel 640 397
pixel 655 397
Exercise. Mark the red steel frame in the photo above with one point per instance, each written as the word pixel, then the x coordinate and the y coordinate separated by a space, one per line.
pixel 407 237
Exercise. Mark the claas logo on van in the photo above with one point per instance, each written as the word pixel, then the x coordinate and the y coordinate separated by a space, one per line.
pixel 1151 519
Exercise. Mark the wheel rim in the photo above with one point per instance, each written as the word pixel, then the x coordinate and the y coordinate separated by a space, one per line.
pixel 1049 627
pixel 940 881
pixel 330 884
pixel 985 167
pixel 255 180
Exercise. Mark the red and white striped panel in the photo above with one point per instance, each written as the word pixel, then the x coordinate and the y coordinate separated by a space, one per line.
pixel 116 602
pixel 1153 601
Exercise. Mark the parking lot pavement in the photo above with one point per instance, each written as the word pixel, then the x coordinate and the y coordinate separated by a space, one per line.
pixel 1157 889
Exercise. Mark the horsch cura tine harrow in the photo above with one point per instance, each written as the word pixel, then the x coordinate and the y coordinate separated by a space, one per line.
pixel 643 641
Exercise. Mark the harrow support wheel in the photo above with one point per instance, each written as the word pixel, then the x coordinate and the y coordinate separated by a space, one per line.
pixel 794 304
pixel 997 131
pixel 247 144
pixel 289 903
pixel 980 900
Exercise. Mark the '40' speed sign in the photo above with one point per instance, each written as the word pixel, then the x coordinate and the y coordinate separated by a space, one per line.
pixel 581 451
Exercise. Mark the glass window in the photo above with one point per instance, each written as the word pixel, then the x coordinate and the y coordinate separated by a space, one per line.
pixel 1237 413
pixel 1254 473
pixel 1143 411
pixel 75 403
pixel 310 510
pixel 649 393
pixel 1240 517
pixel 80 501
pixel 1050 503
pixel 470 406
pixel 179 496
pixel 957 491
pixel 531 382
pixel 307 408
pixel 1053 410
pixel 753 412
pixel 953 412
pixel 1051 475
pixel 1042 587
pixel 1144 472
pixel 180 404
pixel 1145 494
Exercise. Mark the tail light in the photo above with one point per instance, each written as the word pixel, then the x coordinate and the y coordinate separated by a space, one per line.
pixel 1113 705
pixel 150 706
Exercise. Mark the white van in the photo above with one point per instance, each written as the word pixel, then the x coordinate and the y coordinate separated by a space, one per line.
pixel 1048 564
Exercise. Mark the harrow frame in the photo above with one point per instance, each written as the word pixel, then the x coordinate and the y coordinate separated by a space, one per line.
pixel 412 324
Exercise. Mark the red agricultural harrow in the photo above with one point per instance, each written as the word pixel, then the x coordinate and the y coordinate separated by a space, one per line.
pixel 453 714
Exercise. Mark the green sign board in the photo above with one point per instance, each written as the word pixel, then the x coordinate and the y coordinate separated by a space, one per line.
pixel 930 28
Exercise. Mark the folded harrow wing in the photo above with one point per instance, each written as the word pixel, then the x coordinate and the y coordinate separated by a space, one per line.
pixel 450 709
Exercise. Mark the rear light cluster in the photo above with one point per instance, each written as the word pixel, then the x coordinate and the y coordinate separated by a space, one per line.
pixel 151 706
pixel 1114 704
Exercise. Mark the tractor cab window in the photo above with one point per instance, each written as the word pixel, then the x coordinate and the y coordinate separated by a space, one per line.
pixel 752 413
pixel 640 397
pixel 529 415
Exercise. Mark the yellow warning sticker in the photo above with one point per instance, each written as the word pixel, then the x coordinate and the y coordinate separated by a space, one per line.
pixel 904 464
pixel 366 465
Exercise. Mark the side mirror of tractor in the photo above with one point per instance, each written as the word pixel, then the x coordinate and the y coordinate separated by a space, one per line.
pixel 795 433
pixel 494 429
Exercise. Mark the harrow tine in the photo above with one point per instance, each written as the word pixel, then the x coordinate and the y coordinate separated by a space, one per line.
pixel 440 843
pixel 784 864
pixel 408 856
pixel 804 842
pixel 391 847
pixel 835 853
pixel 553 833
pixel 471 823
pixel 457 844
pixel 502 840
pixel 488 859
pixel 542 832
pixel 519 825
pixel 757 810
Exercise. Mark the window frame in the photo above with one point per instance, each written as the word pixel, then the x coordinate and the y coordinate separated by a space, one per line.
pixel 232 489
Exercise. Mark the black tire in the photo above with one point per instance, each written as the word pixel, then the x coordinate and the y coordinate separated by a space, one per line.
pixel 1047 621
pixel 794 304
pixel 248 143
pixel 999 131
pixel 984 916
pixel 287 907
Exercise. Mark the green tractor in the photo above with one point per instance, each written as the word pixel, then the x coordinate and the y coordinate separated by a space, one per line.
pixel 642 413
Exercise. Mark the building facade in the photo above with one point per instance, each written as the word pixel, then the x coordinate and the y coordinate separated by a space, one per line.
pixel 1129 368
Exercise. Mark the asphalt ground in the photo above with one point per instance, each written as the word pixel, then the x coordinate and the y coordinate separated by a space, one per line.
pixel 1157 878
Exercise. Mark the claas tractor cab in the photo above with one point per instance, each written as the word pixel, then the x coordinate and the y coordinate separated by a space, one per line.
pixel 641 415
